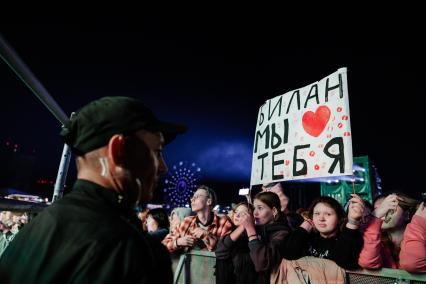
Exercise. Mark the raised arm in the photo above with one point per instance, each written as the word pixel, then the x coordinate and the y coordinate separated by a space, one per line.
pixel 371 253
pixel 413 247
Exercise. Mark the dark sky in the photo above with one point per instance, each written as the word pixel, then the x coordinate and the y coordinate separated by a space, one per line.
pixel 214 79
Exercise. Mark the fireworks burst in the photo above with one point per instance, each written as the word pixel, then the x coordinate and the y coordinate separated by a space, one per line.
pixel 180 184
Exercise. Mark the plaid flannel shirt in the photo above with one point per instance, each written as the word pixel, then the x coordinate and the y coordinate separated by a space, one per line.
pixel 219 227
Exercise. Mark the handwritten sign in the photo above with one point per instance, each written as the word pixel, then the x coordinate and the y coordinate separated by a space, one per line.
pixel 304 133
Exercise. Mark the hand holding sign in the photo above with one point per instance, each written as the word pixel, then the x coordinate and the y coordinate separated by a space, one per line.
pixel 356 208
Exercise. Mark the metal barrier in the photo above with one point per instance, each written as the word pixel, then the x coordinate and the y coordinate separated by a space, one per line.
pixel 384 276
pixel 195 267
pixel 199 267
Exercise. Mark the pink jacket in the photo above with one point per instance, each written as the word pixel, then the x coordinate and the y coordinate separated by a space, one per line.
pixel 413 246
pixel 375 255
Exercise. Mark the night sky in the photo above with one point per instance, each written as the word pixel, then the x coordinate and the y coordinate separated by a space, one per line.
pixel 214 79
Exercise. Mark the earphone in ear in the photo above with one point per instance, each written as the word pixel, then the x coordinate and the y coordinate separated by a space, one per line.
pixel 104 166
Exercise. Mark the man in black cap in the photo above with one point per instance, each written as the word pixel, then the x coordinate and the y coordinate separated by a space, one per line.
pixel 92 235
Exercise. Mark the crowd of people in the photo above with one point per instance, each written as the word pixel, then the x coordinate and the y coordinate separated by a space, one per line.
pixel 93 234
pixel 10 224
pixel 253 239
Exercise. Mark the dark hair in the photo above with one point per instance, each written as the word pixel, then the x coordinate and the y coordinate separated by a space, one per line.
pixel 272 200
pixel 210 192
pixel 332 203
pixel 368 205
pixel 160 216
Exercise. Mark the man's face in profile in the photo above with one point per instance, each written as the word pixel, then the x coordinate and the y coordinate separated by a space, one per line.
pixel 145 163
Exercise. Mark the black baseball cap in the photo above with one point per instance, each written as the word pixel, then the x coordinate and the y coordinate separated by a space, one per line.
pixel 96 122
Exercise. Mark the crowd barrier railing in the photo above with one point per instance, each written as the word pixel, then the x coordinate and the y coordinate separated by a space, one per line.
pixel 199 267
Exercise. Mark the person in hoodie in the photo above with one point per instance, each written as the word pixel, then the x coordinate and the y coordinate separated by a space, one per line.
pixel 266 230
pixel 321 235
pixel 177 215
pixel 157 223
pixel 233 262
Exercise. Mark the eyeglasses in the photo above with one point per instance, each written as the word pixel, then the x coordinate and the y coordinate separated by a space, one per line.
pixel 195 197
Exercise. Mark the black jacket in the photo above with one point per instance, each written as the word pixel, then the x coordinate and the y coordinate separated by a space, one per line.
pixel 233 262
pixel 344 248
pixel 264 251
pixel 86 237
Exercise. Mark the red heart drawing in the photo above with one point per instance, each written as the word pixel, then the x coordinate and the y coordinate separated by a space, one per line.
pixel 314 123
